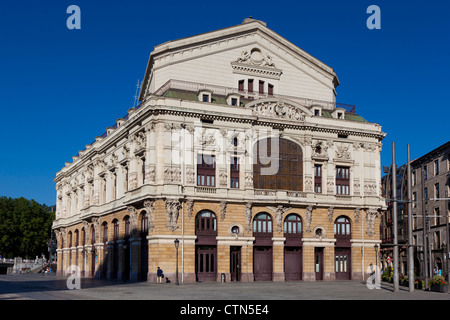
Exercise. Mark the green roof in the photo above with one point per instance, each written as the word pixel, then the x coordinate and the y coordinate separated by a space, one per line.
pixel 192 96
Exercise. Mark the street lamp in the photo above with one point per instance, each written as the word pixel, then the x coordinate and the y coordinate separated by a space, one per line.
pixel 177 244
pixel 376 254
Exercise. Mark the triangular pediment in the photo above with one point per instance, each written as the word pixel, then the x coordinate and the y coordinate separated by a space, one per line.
pixel 276 108
pixel 249 49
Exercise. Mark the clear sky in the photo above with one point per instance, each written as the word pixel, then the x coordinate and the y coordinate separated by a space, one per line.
pixel 61 88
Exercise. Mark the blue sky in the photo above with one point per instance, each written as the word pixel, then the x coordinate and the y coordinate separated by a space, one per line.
pixel 61 88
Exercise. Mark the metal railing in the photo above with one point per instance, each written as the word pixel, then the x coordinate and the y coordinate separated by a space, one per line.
pixel 224 91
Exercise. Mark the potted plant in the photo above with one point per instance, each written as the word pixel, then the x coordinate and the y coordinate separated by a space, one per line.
pixel 404 281
pixel 438 284
pixel 387 274
pixel 419 284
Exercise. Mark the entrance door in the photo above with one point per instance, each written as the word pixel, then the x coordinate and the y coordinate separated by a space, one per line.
pixel 342 263
pixel 206 257
pixel 318 263
pixel 235 263
pixel 262 263
pixel 144 259
pixel 292 263
pixel 126 261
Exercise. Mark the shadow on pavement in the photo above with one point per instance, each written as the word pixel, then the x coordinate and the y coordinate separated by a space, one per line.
pixel 48 282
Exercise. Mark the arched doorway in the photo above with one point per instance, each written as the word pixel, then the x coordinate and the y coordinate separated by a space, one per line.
pixel 115 259
pixel 93 252
pixel 262 247
pixel 206 246
pixel 277 165
pixel 126 249
pixel 342 250
pixel 104 267
pixel 293 247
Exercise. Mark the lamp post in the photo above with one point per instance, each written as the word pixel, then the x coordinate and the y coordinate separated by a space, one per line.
pixel 177 244
pixel 395 218
pixel 376 254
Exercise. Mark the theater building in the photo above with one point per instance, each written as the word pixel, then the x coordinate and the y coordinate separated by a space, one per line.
pixel 240 152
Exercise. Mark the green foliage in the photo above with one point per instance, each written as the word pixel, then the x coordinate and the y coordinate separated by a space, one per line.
pixel 25 227
pixel 388 274
pixel 437 281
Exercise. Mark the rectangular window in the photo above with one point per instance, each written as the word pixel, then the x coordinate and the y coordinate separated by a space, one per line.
pixel 318 178
pixel 437 218
pixel 261 87
pixel 436 190
pixel 233 101
pixel 270 89
pixel 234 172
pixel 241 85
pixel 426 193
pixel 414 178
pixel 414 200
pixel 206 170
pixel 425 173
pixel 205 98
pixel 250 85
pixel 436 167
pixel 342 180
pixel 143 171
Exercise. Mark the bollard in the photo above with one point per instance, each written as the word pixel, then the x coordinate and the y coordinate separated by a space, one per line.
pixel 222 277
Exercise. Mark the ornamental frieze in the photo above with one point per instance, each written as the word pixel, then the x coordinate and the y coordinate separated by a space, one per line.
pixel 278 109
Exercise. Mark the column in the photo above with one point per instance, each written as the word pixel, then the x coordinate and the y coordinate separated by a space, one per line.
pixel 98 260
pixel 223 262
pixel 278 259
pixel 308 263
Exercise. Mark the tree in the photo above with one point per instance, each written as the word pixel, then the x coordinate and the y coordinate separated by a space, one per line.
pixel 25 227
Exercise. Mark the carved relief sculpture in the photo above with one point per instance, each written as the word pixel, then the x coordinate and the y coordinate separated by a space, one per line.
pixel 248 216
pixel 149 206
pixel 371 215
pixel 172 212
pixel 308 214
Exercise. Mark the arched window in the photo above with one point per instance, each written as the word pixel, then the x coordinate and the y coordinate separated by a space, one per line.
pixel 70 239
pixel 144 223
pixel 116 230
pixel 93 235
pixel 292 225
pixel 83 237
pixel 342 227
pixel 77 238
pixel 262 224
pixel 127 227
pixel 105 232
pixel 206 223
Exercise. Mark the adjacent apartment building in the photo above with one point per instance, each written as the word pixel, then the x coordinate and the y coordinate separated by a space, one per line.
pixel 238 164
pixel 430 181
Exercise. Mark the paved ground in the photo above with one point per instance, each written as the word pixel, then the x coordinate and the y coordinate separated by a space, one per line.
pixel 51 287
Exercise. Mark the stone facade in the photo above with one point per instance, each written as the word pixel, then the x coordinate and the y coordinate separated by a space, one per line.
pixel 185 164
